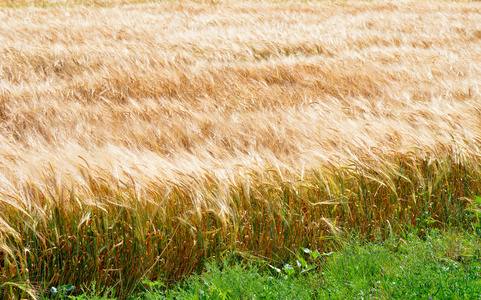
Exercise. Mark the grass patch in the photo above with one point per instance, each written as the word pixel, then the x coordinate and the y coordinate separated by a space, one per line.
pixel 441 265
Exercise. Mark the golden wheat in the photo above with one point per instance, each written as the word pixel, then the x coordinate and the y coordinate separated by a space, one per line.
pixel 108 104
pixel 155 90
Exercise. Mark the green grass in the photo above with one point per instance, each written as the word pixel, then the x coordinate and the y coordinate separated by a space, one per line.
pixel 440 265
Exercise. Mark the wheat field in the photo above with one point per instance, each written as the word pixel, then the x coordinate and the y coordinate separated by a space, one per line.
pixel 195 128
